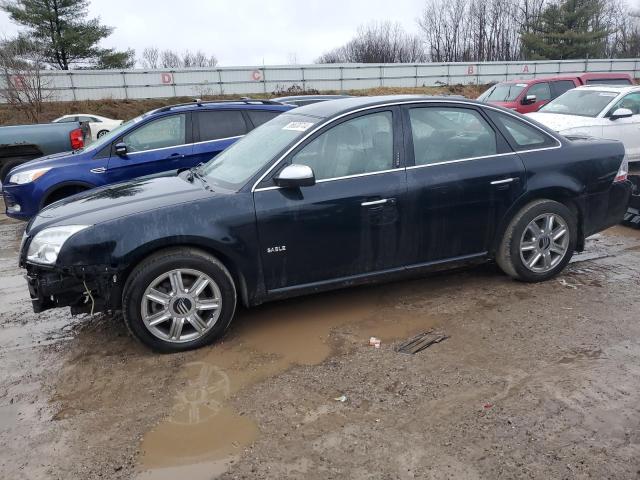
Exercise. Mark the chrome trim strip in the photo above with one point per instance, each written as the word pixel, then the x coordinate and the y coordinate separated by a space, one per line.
pixel 375 202
pixel 216 140
pixel 501 182
pixel 158 149
pixel 400 103
pixel 263 189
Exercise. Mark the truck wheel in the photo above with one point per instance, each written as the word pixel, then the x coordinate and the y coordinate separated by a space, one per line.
pixel 179 299
pixel 7 165
pixel 539 241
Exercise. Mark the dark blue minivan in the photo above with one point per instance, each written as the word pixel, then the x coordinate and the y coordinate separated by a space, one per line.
pixel 169 138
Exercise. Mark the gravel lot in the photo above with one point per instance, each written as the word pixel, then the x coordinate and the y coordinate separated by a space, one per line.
pixel 535 381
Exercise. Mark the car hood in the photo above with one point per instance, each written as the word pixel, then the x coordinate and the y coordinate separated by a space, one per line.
pixel 559 122
pixel 50 161
pixel 120 199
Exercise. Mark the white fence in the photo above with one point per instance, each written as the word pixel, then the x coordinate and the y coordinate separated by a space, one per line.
pixel 101 84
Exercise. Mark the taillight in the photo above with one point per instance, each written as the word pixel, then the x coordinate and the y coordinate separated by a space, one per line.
pixel 77 139
pixel 623 171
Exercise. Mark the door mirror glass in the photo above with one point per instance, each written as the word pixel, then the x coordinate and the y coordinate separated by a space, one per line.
pixel 529 100
pixel 121 149
pixel 621 113
pixel 294 176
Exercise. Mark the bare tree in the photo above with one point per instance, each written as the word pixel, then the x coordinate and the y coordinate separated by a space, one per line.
pixel 170 59
pixel 22 64
pixel 150 57
pixel 384 42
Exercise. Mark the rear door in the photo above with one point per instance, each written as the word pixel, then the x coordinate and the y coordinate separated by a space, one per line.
pixel 352 221
pixel 214 131
pixel 155 146
pixel 462 177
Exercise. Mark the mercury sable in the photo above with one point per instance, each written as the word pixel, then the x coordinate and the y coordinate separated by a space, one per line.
pixel 325 196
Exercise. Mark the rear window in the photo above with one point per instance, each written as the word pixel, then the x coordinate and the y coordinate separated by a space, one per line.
pixel 258 117
pixel 216 125
pixel 522 135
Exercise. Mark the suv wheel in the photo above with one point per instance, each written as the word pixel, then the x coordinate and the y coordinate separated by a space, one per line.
pixel 539 241
pixel 179 300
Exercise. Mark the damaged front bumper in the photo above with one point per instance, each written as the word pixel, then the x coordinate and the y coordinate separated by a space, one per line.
pixel 86 289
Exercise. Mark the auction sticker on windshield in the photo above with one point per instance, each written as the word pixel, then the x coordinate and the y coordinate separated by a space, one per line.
pixel 298 126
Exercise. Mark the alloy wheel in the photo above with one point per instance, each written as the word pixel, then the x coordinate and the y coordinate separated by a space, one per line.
pixel 544 242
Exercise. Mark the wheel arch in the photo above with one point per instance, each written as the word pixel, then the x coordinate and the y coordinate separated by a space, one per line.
pixel 61 186
pixel 564 195
pixel 157 247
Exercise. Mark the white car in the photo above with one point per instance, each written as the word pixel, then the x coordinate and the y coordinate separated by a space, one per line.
pixel 611 112
pixel 98 125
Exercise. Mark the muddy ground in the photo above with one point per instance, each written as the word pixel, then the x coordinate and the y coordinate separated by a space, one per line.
pixel 535 381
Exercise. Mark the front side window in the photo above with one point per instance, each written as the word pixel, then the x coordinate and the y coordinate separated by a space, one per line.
pixel 561 86
pixel 541 91
pixel 162 133
pixel 442 134
pixel 523 135
pixel 360 145
pixel 216 125
pixel 503 92
pixel 630 101
pixel 581 102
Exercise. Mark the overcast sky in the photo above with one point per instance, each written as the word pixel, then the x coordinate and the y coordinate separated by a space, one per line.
pixel 242 32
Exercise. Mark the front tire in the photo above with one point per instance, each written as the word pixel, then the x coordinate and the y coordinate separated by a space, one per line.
pixel 538 242
pixel 179 299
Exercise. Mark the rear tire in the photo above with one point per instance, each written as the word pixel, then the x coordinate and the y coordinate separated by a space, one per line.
pixel 179 299
pixel 102 133
pixel 538 242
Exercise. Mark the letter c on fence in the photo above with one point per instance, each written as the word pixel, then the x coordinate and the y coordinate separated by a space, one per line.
pixel 256 75
pixel 167 78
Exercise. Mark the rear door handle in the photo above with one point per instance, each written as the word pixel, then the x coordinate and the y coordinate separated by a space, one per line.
pixel 375 202
pixel 503 181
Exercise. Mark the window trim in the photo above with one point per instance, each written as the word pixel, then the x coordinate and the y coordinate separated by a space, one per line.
pixel 326 126
pixel 328 121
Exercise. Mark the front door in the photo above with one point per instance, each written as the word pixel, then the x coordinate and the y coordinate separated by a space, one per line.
pixel 156 146
pixel 463 179
pixel 626 130
pixel 351 221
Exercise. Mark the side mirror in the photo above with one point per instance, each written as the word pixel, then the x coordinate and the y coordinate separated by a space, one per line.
pixel 121 149
pixel 294 176
pixel 529 99
pixel 621 113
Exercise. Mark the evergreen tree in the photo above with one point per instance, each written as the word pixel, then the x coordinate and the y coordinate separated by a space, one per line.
pixel 69 38
pixel 566 29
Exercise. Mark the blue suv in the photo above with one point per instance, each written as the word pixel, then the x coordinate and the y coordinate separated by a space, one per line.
pixel 169 138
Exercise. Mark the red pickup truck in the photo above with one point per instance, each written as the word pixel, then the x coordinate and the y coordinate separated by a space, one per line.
pixel 526 96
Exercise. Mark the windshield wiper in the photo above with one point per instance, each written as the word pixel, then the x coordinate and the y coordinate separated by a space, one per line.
pixel 194 172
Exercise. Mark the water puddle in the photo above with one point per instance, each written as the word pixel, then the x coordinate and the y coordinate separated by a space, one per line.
pixel 204 434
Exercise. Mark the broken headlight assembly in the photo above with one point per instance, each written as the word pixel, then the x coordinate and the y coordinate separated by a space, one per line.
pixel 46 245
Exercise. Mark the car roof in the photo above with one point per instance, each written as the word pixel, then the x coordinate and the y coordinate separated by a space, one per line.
pixel 610 88
pixel 309 97
pixel 345 105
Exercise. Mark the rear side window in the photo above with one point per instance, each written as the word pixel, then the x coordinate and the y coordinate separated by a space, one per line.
pixel 522 135
pixel 258 117
pixel 608 81
pixel 216 125
pixel 442 134
pixel 561 86
pixel 541 91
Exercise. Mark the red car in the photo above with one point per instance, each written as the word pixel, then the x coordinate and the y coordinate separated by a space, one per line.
pixel 526 96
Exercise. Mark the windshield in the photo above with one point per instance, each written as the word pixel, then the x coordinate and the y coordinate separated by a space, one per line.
pixel 108 138
pixel 584 103
pixel 242 160
pixel 503 92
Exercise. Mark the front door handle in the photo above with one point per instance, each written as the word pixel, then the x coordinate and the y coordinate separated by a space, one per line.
pixel 503 181
pixel 375 202
pixel 176 155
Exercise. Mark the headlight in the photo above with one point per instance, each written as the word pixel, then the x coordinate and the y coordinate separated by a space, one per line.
pixel 46 245
pixel 28 176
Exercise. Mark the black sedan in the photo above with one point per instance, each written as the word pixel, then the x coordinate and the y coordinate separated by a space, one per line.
pixel 325 196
